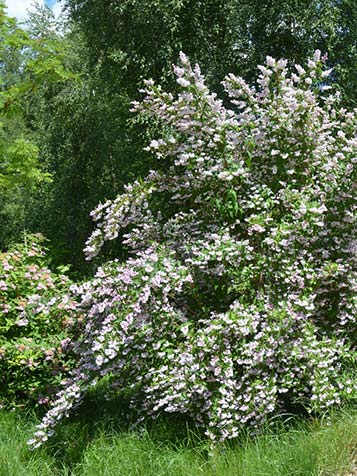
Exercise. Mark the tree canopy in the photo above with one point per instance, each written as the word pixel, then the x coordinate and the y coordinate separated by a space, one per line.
pixel 84 130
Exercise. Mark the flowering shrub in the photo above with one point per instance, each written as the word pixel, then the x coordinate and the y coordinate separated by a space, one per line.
pixel 237 301
pixel 35 323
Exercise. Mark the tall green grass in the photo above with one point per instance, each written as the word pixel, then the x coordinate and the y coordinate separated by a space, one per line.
pixel 317 448
pixel 15 458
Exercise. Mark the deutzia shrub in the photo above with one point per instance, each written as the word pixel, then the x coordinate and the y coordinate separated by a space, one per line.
pixel 237 300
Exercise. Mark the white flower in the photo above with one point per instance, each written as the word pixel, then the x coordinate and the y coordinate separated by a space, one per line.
pixel 270 61
pixel 326 73
pixel 183 82
pixel 22 322
pixel 317 55
pixel 300 69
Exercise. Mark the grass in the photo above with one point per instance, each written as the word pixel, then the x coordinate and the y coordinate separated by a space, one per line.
pixel 85 448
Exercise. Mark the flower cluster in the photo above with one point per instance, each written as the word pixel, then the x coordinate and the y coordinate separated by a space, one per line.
pixel 35 324
pixel 238 301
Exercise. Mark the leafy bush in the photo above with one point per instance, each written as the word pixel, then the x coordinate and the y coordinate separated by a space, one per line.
pixel 237 301
pixel 35 325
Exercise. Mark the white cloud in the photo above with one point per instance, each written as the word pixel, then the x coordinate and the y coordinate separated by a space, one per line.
pixel 18 8
pixel 57 7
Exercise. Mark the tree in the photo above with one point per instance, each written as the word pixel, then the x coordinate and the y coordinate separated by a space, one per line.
pixel 26 63
pixel 86 130
pixel 144 37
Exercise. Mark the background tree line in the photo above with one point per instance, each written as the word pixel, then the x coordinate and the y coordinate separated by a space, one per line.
pixel 67 84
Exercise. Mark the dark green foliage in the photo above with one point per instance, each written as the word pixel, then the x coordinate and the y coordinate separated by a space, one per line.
pixel 85 131
pixel 136 37
pixel 84 128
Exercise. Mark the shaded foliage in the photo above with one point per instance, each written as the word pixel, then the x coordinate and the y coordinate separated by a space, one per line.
pixel 86 132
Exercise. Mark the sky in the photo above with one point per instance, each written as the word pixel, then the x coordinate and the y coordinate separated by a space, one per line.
pixel 18 8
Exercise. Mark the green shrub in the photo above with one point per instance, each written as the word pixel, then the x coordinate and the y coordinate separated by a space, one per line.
pixel 237 302
pixel 35 324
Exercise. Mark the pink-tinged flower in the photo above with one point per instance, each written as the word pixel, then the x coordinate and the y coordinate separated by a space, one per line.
pixel 43 400
pixel 3 286
pixel 22 322
pixel 183 82
pixel 270 61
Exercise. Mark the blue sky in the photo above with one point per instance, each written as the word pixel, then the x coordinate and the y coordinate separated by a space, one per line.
pixel 18 8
